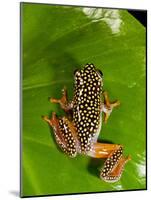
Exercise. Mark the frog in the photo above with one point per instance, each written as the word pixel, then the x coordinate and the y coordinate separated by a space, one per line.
pixel 77 132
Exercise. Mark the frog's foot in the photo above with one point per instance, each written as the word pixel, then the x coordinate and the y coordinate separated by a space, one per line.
pixel 63 101
pixel 108 106
pixel 53 121
pixel 114 165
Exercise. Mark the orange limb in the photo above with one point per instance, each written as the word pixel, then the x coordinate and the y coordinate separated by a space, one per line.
pixel 112 171
pixel 65 134
pixel 114 163
pixel 63 101
pixel 120 165
pixel 108 106
pixel 102 150
pixel 54 123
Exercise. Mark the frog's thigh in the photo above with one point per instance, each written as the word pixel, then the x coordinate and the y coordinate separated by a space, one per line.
pixel 63 101
pixel 102 150
pixel 63 135
pixel 108 106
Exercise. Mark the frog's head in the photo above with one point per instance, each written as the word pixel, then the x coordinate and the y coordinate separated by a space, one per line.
pixel 89 74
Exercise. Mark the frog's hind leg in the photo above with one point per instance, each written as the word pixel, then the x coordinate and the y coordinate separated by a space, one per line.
pixel 113 166
pixel 115 162
pixel 108 106
pixel 63 101
pixel 63 134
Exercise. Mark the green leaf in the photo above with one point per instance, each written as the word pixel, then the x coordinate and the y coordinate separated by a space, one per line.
pixel 56 41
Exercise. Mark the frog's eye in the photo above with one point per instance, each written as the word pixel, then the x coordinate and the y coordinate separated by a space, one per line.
pixel 100 72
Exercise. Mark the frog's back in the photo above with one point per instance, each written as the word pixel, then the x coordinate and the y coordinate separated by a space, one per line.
pixel 87 102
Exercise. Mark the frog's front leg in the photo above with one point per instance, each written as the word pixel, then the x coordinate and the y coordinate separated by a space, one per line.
pixel 63 101
pixel 115 162
pixel 108 106
pixel 65 134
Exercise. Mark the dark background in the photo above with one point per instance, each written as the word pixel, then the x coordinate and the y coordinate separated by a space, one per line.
pixel 141 16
